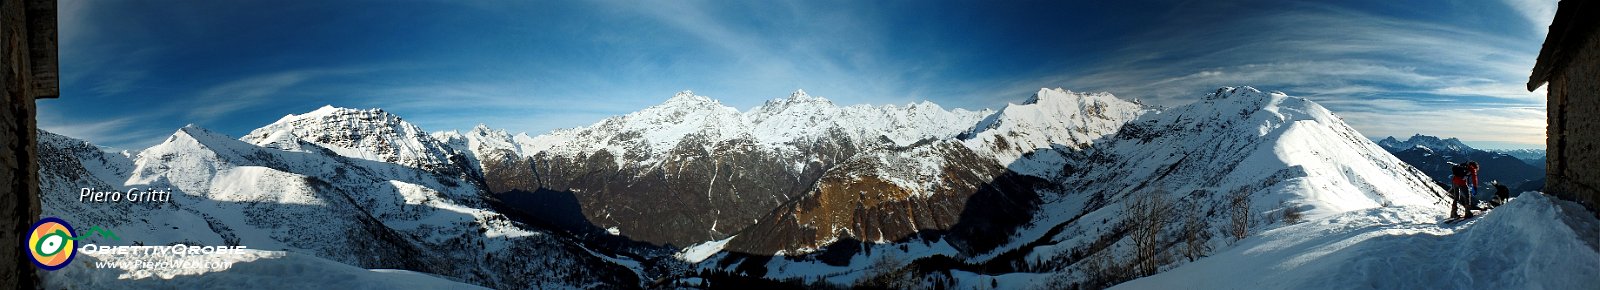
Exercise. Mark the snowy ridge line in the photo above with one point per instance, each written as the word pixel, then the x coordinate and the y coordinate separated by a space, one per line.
pixel 781 125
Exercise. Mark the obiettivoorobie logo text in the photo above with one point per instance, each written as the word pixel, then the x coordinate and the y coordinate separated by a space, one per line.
pixel 51 241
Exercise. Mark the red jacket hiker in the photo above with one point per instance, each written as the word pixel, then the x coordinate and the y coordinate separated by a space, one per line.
pixel 1465 179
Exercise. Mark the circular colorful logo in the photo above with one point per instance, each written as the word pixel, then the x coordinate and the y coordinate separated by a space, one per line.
pixel 50 243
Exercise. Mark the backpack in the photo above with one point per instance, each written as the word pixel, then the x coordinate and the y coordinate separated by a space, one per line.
pixel 1459 170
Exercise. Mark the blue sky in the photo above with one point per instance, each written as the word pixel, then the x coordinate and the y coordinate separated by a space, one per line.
pixel 135 71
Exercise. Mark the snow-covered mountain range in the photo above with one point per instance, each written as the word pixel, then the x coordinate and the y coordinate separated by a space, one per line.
pixel 1063 211
pixel 1425 141
pixel 722 168
pixel 286 188
pixel 1535 157
pixel 1065 189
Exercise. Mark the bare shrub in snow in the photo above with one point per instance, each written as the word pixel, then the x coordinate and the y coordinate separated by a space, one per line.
pixel 1292 215
pixel 1150 213
pixel 1239 214
pixel 1196 235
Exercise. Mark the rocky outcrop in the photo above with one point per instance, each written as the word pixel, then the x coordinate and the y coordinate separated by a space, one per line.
pixel 970 200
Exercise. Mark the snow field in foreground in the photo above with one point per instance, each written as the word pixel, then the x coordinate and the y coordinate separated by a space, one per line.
pixel 1533 242
pixel 253 269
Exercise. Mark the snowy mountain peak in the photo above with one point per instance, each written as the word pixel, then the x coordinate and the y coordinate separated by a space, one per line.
pixel 799 94
pixel 1296 132
pixel 1064 95
pixel 1231 92
pixel 484 130
pixel 690 99
pixel 1049 118
pixel 654 130
pixel 371 134
pixel 1430 142
pixel 325 110
pixel 198 133
pixel 682 105
pixel 798 101
pixel 482 142
pixel 1044 93
pixel 190 145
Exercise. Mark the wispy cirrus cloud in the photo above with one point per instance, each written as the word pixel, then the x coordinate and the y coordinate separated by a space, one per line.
pixel 1328 47
pixel 756 52
pixel 537 66
pixel 1512 125
pixel 1392 71
pixel 221 99
pixel 1538 13
pixel 125 132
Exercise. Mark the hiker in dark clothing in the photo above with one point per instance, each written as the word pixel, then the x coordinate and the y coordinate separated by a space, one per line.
pixel 1464 178
pixel 1501 193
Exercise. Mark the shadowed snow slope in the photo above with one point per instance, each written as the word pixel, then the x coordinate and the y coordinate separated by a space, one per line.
pixel 1523 245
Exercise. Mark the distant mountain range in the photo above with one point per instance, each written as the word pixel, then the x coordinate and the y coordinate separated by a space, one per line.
pixel 1535 157
pixel 1432 155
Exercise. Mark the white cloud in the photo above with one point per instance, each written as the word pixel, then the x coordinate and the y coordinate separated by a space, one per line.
pixel 1538 13
pixel 1388 76
pixel 820 50
pixel 128 130
pixel 220 99
pixel 1508 125
pixel 1346 42
pixel 1497 90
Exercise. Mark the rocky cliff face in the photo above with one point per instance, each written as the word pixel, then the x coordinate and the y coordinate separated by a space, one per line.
pixel 967 195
